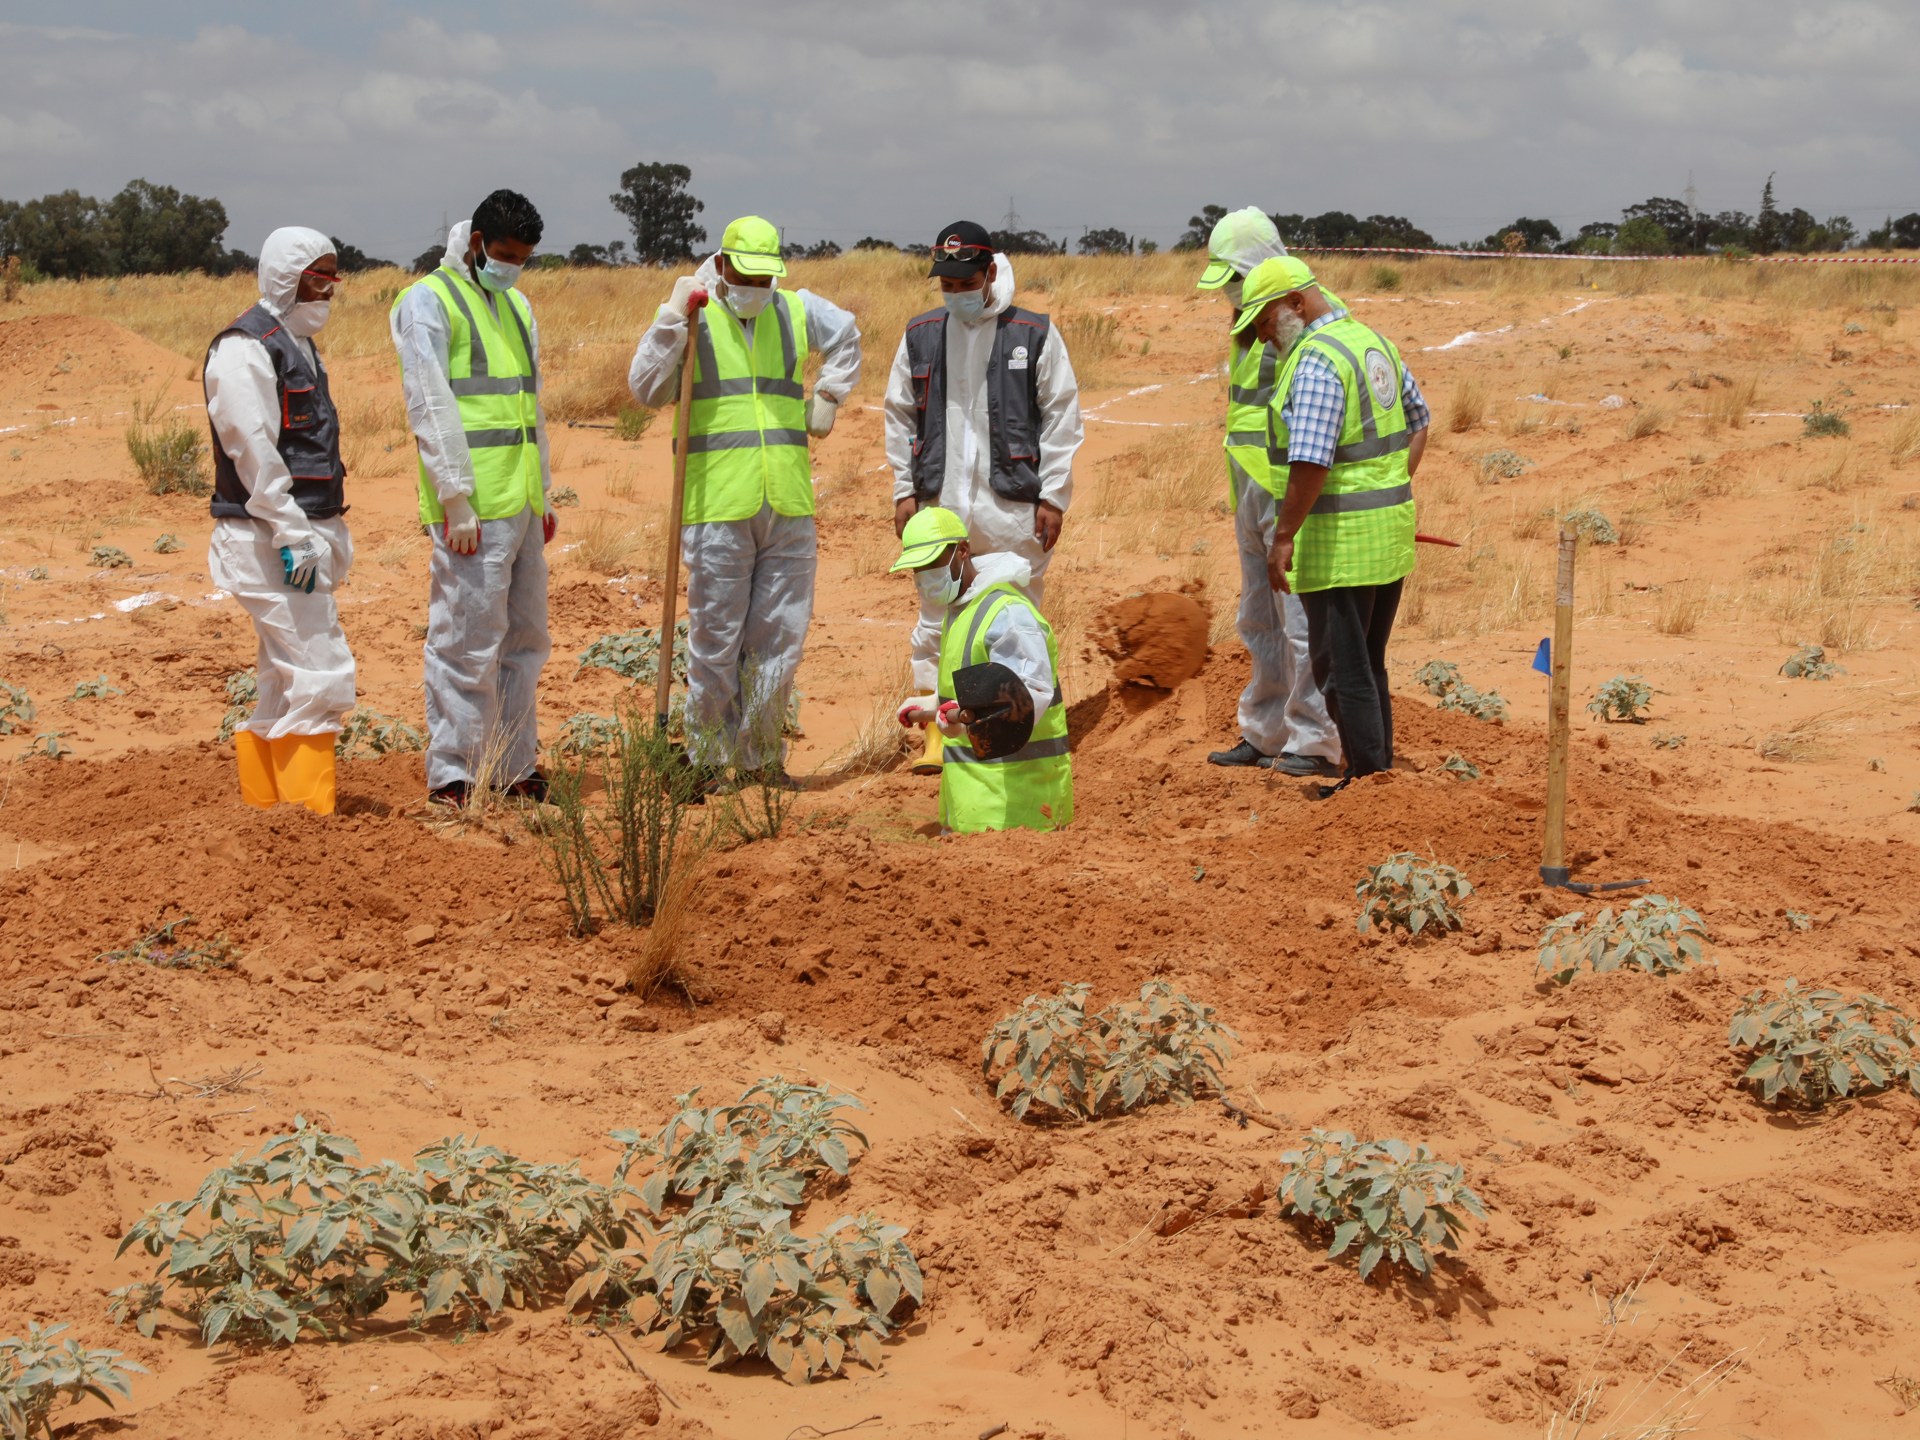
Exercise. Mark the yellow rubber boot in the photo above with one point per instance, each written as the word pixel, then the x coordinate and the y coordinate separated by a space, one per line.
pixel 303 771
pixel 930 762
pixel 256 769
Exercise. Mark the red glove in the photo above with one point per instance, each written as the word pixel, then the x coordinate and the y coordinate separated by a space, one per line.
pixel 549 527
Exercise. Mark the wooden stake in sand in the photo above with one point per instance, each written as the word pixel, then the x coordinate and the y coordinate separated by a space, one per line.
pixel 1553 858
pixel 676 507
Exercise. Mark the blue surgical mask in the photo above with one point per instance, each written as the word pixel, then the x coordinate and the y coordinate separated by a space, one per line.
pixel 968 305
pixel 495 275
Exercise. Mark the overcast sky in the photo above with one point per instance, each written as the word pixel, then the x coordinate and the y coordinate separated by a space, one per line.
pixel 373 120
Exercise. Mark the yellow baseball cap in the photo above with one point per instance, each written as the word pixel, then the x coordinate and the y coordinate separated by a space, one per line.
pixel 927 536
pixel 753 245
pixel 1269 280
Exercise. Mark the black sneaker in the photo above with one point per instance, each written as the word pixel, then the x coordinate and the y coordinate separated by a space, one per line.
pixel 1242 754
pixel 1301 766
pixel 453 795
pixel 533 787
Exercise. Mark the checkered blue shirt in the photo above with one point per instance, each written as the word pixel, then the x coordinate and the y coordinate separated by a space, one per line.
pixel 1316 406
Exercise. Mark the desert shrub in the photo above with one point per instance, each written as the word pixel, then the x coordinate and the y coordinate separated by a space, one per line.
pixel 1438 676
pixel 562 496
pixel 302 1237
pixel 1384 278
pixel 368 732
pixel 1442 678
pixel 243 693
pixel 1412 893
pixel 108 557
pixel 163 949
pixel 168 544
pixel 1498 465
pixel 1811 1047
pixel 1051 1053
pixel 632 422
pixel 1395 1200
pixel 37 1371
pixel 1622 699
pixel 1592 526
pixel 48 745
pixel 168 454
pixel 16 708
pixel 635 654
pixel 586 734
pixel 1810 662
pixel 1654 934
pixel 1461 768
pixel 1820 422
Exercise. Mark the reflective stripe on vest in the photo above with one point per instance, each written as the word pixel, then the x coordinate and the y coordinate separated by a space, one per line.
pixel 747 435
pixel 1030 789
pixel 1360 530
pixel 494 375
pixel 1252 374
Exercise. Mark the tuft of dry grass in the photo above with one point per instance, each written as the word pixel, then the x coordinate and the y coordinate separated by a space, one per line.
pixel 606 545
pixel 1681 606
pixel 1730 405
pixel 1178 471
pixel 657 962
pixel 1647 420
pixel 1905 443
pixel 1467 406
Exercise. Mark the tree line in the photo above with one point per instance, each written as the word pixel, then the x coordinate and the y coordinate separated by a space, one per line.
pixel 157 229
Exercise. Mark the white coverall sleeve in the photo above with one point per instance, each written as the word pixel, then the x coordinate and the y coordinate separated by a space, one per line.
pixel 902 423
pixel 1017 642
pixel 834 335
pixel 539 385
pixel 243 402
pixel 1060 429
pixel 654 376
pixel 421 337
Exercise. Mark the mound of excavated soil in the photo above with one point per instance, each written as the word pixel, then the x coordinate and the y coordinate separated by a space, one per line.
pixel 1157 639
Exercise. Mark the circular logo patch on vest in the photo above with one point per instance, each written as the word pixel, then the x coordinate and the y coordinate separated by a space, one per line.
pixel 1380 379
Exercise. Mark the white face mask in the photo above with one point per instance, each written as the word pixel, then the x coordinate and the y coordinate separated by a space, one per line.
pixel 938 585
pixel 307 317
pixel 495 275
pixel 1232 291
pixel 967 305
pixel 747 301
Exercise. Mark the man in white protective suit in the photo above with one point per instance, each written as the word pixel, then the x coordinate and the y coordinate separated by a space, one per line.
pixel 470 367
pixel 983 419
pixel 747 529
pixel 280 544
pixel 1284 724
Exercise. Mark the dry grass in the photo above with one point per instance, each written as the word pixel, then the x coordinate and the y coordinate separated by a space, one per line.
pixel 1093 344
pixel 1810 741
pixel 1830 470
pixel 881 740
pixel 620 482
pixel 1647 420
pixel 1467 406
pixel 1681 606
pixel 1728 407
pixel 606 545
pixel 399 551
pixel 657 962
pixel 1905 442
pixel 1178 470
pixel 875 548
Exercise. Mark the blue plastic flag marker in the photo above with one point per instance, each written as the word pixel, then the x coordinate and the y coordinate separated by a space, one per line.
pixel 1543 657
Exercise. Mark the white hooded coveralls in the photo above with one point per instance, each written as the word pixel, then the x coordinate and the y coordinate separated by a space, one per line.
pixel 1281 710
pixel 995 525
pixel 303 668
pixel 749 582
pixel 486 612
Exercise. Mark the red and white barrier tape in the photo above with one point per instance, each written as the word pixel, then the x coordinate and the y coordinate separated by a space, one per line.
pixel 1554 255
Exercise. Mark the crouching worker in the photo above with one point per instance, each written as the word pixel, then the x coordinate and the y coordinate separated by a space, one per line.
pixel 280 544
pixel 998 774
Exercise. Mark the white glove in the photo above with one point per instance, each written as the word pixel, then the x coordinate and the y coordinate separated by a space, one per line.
pixel 915 705
pixel 820 415
pixel 949 721
pixel 676 305
pixel 304 564
pixel 462 526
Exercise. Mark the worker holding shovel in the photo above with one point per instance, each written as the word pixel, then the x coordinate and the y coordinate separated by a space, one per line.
pixel 746 519
pixel 998 707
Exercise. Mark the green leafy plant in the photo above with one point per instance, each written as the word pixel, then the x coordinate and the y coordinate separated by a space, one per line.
pixel 368 732
pixel 1822 423
pixel 38 1370
pixel 162 948
pixel 1440 677
pixel 48 745
pixel 1622 699
pixel 1811 1047
pixel 586 734
pixel 1461 768
pixel 108 557
pixel 1810 662
pixel 167 544
pixel 243 693
pixel 1654 935
pixel 16 708
pixel 1498 465
pixel 1051 1053
pixel 1592 526
pixel 635 654
pixel 1412 893
pixel 563 496
pixel 1799 921
pixel 1394 1200
pixel 98 688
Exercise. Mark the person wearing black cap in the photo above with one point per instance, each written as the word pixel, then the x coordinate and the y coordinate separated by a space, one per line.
pixel 983 419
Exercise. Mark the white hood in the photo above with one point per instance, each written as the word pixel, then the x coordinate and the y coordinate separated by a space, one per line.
pixel 1000 293
pixel 1000 567
pixel 285 254
pixel 457 240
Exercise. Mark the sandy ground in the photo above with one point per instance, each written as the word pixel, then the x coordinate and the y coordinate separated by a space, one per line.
pixel 408 980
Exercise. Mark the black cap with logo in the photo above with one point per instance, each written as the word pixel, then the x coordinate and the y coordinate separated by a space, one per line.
pixel 963 248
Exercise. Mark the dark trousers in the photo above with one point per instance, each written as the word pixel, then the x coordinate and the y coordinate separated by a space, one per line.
pixel 1347 632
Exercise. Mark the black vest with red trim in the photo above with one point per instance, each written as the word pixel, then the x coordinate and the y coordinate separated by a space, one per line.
pixel 309 426
pixel 1013 403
